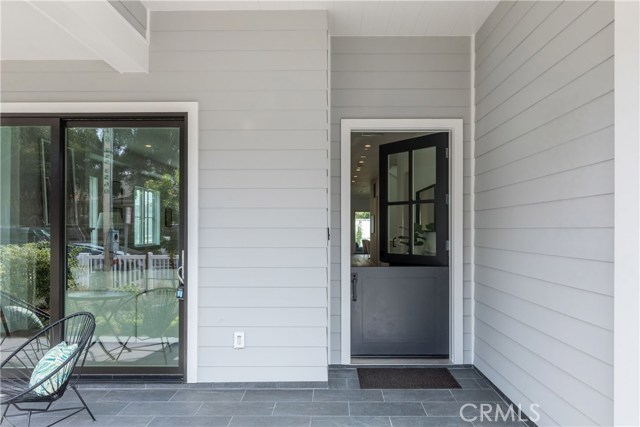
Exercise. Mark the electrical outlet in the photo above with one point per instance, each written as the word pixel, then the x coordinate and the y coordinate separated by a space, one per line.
pixel 238 340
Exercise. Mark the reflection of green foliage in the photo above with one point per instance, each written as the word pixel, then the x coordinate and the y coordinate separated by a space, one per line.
pixel 420 233
pixel 359 233
pixel 168 185
pixel 25 271
pixel 363 215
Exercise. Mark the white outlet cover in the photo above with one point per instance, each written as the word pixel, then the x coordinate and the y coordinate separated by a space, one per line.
pixel 238 340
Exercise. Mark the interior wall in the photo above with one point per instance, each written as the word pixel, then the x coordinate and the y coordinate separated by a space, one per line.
pixel 397 77
pixel 261 80
pixel 544 207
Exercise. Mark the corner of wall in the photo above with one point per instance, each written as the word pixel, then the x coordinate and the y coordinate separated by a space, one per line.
pixel 472 190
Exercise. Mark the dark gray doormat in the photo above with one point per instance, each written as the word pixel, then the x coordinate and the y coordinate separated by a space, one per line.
pixel 406 378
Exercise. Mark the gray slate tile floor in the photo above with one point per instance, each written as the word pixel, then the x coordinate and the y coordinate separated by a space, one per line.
pixel 343 404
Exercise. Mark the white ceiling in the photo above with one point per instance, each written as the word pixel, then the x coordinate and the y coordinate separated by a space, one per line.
pixel 365 18
pixel 26 33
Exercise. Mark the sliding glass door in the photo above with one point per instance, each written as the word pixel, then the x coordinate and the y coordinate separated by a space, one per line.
pixel 25 232
pixel 118 213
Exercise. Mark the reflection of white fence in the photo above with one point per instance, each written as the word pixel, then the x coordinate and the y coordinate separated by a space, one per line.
pixel 144 271
pixel 162 272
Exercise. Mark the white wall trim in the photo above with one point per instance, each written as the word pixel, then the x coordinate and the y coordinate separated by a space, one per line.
pixel 472 196
pixel 329 329
pixel 626 332
pixel 191 108
pixel 456 214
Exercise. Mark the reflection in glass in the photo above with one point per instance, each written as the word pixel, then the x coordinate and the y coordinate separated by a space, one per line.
pixel 424 234
pixel 122 241
pixel 399 230
pixel 398 177
pixel 25 239
pixel 424 173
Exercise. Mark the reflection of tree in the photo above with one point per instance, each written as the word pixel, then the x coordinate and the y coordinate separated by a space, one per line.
pixel 168 185
pixel 138 154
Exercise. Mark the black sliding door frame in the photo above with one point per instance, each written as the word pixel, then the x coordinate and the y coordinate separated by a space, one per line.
pixel 59 123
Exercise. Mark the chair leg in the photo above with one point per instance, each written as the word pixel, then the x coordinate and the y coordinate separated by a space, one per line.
pixel 29 419
pixel 83 402
pixel 4 414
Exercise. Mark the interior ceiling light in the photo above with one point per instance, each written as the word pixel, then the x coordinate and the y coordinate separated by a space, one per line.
pixel 363 157
pixel 148 145
pixel 355 176
pixel 361 161
pixel 367 145
pixel 358 169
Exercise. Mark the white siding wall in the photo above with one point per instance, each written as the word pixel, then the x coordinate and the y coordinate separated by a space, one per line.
pixel 261 79
pixel 388 78
pixel 544 207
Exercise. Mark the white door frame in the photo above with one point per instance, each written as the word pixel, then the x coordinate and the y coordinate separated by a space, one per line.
pixel 191 108
pixel 454 127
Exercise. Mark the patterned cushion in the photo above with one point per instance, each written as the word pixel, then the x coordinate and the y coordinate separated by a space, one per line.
pixel 49 363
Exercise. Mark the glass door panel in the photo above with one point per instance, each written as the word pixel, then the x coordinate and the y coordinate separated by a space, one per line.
pixel 25 234
pixel 413 200
pixel 123 240
pixel 398 177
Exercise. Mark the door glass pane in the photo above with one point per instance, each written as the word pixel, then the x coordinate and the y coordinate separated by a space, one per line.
pixel 25 248
pixel 424 234
pixel 399 229
pixel 123 217
pixel 398 177
pixel 424 173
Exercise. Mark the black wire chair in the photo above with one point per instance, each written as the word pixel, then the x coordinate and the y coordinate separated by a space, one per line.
pixel 17 369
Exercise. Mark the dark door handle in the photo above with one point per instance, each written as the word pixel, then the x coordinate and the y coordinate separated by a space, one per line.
pixel 354 282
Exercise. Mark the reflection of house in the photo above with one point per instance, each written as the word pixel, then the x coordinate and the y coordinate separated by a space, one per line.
pixel 535 86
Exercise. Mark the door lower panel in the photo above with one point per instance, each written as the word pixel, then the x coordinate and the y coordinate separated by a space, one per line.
pixel 400 311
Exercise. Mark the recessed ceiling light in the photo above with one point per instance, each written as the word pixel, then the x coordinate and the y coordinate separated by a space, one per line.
pixel 353 181
pixel 361 161
pixel 358 169
pixel 367 145
pixel 355 176
pixel 148 145
pixel 363 157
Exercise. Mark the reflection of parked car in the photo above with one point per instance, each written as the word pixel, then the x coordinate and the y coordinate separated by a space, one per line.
pixel 20 235
pixel 90 248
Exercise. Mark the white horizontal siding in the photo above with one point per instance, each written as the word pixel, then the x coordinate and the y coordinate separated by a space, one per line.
pixel 397 77
pixel 192 81
pixel 261 81
pixel 259 198
pixel 239 60
pixel 544 207
pixel 267 337
pixel 269 217
pixel 266 317
pixel 264 237
pixel 265 277
pixel 302 297
pixel 264 159
pixel 218 178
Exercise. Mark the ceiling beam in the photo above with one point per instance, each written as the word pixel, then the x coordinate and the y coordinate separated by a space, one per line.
pixel 99 26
